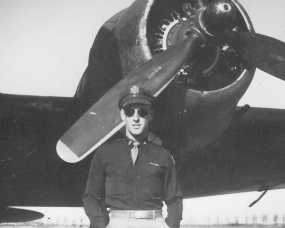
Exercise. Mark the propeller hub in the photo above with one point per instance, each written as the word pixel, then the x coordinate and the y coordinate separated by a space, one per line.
pixel 219 16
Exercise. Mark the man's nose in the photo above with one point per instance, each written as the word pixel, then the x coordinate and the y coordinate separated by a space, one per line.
pixel 136 116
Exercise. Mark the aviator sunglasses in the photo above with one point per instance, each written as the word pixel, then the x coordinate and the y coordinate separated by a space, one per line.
pixel 130 111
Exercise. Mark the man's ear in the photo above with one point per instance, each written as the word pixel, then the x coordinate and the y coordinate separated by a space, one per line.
pixel 123 115
pixel 150 117
pixel 151 113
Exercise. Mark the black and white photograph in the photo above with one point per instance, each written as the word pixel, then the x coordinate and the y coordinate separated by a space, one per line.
pixel 142 113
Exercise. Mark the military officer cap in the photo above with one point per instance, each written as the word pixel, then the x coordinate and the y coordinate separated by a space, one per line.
pixel 135 95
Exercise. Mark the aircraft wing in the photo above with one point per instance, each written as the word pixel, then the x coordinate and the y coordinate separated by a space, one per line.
pixel 249 156
pixel 28 122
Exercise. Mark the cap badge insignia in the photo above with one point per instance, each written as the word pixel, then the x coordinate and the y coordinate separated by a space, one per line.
pixel 134 90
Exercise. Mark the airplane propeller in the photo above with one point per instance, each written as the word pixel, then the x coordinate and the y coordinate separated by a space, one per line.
pixel 257 50
pixel 263 52
pixel 102 120
pixel 213 22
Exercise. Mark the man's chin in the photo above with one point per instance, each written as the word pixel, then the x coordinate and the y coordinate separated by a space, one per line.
pixel 136 132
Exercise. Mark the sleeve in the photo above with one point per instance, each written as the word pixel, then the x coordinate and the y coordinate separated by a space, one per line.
pixel 93 197
pixel 173 196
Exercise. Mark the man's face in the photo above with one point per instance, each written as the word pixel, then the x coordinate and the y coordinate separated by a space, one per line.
pixel 136 118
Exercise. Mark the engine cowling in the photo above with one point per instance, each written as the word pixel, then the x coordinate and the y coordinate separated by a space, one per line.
pixel 199 105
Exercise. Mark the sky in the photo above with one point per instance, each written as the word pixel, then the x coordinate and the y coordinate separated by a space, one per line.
pixel 234 207
pixel 44 47
pixel 44 44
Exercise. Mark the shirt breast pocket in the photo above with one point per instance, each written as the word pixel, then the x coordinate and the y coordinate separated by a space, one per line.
pixel 153 169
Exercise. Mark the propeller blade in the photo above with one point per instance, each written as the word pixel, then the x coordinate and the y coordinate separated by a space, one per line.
pixel 103 120
pixel 202 3
pixel 264 52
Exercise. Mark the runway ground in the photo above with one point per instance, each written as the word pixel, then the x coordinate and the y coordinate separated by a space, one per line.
pixel 35 225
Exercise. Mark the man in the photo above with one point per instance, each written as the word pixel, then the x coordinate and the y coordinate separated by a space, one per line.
pixel 132 176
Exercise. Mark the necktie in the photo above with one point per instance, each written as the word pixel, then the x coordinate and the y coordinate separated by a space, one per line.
pixel 134 150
